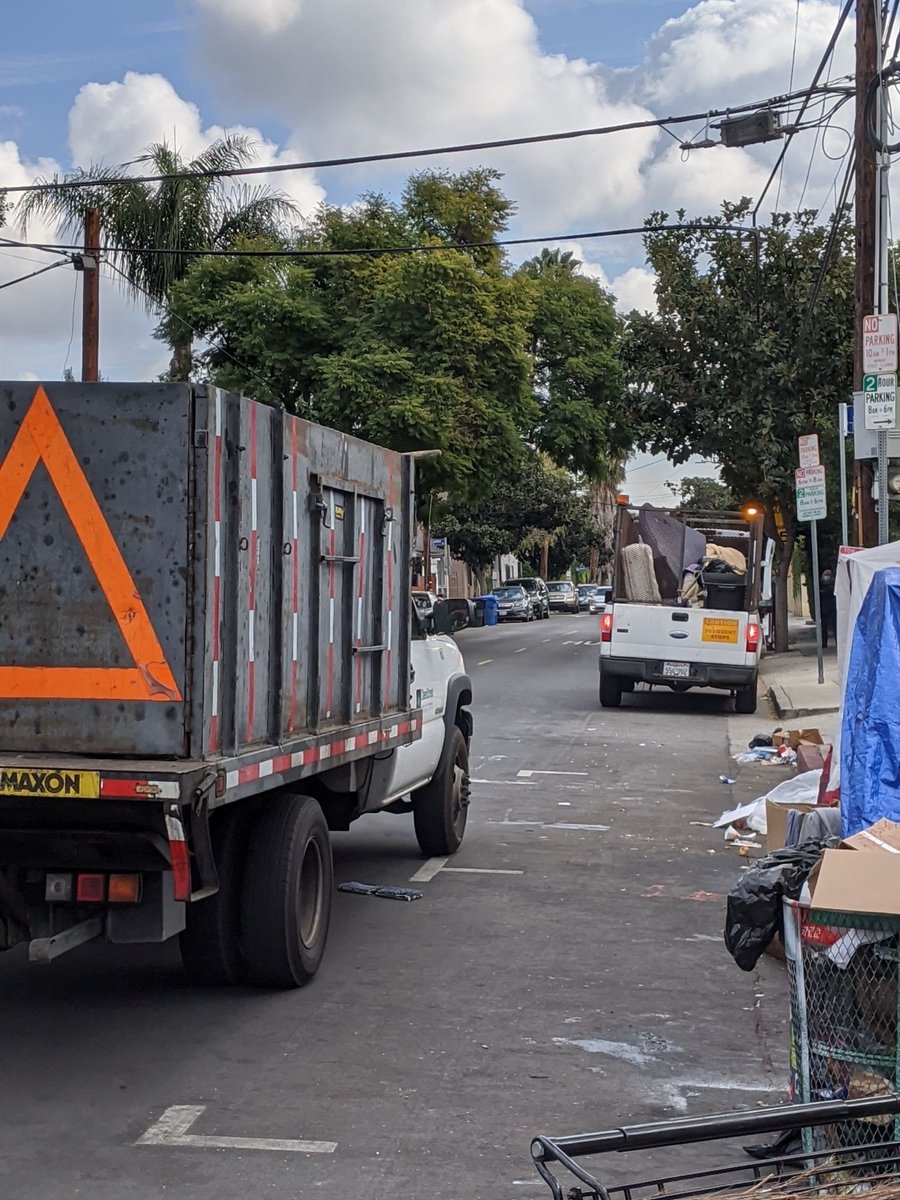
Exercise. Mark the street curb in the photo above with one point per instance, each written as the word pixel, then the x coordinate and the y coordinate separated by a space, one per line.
pixel 787 711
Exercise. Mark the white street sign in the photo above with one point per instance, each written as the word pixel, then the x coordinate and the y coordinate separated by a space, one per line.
pixel 809 450
pixel 880 392
pixel 810 485
pixel 879 343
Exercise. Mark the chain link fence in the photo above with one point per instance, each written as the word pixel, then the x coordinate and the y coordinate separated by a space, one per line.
pixel 844 970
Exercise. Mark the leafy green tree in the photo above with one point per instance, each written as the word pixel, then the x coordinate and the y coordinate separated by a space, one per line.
pixel 705 495
pixel 178 217
pixel 751 347
pixel 583 421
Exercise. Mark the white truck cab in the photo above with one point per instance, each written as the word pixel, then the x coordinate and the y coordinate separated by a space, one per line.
pixel 685 605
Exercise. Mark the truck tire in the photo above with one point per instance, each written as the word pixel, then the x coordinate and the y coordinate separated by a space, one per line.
pixel 610 691
pixel 746 698
pixel 287 893
pixel 210 942
pixel 441 807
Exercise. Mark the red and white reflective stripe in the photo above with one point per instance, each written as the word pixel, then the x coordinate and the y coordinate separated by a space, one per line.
pixel 295 554
pixel 180 859
pixel 251 599
pixel 361 570
pixel 389 573
pixel 329 666
pixel 217 575
pixel 280 763
pixel 140 789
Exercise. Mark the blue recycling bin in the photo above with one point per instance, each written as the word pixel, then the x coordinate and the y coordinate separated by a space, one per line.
pixel 490 606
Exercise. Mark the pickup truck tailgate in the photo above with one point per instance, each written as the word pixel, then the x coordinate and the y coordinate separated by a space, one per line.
pixel 653 631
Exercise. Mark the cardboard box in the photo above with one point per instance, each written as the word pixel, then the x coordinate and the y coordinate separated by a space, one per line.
pixel 797 737
pixel 862 875
pixel 777 820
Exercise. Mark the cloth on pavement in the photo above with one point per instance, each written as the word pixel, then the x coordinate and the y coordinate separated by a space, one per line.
pixel 870 722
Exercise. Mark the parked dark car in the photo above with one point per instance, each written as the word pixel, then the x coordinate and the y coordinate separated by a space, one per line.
pixel 563 596
pixel 514 604
pixel 537 590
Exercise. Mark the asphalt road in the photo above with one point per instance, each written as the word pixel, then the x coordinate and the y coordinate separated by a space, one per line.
pixel 567 974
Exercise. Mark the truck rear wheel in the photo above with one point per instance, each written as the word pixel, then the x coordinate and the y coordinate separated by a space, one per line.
pixel 610 691
pixel 287 894
pixel 441 807
pixel 746 698
pixel 210 942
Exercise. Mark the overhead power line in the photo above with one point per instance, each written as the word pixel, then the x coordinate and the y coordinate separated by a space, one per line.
pixel 429 248
pixel 430 152
pixel 21 278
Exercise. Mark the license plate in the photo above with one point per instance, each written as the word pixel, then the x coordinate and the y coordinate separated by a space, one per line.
pixel 721 631
pixel 677 670
pixel 74 785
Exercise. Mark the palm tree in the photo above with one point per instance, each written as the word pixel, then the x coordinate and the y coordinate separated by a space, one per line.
pixel 177 216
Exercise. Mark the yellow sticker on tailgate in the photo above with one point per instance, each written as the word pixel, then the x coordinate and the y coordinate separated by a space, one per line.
pixel 72 785
pixel 720 630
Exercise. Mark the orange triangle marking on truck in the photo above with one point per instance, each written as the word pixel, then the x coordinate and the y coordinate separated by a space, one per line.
pixel 40 438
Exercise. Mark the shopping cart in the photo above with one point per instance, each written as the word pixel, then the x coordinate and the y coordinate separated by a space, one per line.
pixel 838 1169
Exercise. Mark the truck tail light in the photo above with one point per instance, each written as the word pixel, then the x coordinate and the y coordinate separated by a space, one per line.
pixel 753 634
pixel 178 855
pixel 606 627
pixel 90 889
pixel 124 889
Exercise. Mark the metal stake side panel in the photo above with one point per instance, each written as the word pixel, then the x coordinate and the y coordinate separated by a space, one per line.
pixel 95 576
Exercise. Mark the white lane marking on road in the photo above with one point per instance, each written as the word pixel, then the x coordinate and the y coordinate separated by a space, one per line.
pixel 508 782
pixel 481 871
pixel 172 1130
pixel 521 650
pixel 484 662
pixel 553 825
pixel 428 870
pixel 528 774
pixel 546 639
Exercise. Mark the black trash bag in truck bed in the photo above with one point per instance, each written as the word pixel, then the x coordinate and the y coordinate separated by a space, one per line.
pixel 753 914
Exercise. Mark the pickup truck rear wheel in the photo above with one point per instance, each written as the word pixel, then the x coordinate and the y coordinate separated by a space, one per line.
pixel 210 942
pixel 441 807
pixel 746 698
pixel 288 886
pixel 610 691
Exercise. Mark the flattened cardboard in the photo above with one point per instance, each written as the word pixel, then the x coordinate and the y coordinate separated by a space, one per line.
pixel 883 836
pixel 797 737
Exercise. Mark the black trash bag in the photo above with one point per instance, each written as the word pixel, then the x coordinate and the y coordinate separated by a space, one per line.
pixel 753 915
pixel 761 739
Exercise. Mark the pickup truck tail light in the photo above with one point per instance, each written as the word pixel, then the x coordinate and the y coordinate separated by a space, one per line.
pixel 606 627
pixel 753 635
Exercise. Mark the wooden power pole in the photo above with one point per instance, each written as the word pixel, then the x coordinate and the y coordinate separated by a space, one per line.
pixel 864 289
pixel 90 307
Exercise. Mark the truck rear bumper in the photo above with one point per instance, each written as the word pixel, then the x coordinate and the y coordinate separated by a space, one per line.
pixel 650 670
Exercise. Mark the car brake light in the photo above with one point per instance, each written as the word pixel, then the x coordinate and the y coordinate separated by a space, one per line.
pixel 753 633
pixel 124 889
pixel 90 889
pixel 606 627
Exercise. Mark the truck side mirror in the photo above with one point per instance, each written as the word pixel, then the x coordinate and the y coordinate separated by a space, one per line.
pixel 450 616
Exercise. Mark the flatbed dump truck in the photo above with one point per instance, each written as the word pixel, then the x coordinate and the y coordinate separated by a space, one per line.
pixel 208 662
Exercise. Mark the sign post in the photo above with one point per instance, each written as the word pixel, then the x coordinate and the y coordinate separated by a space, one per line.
pixel 880 389
pixel 812 507
pixel 844 411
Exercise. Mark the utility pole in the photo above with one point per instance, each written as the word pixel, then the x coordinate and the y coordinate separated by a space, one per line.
pixel 90 306
pixel 867 58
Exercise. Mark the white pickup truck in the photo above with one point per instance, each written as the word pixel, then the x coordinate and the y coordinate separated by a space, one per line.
pixel 685 605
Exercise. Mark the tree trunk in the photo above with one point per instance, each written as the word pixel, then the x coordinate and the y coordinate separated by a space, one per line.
pixel 545 558
pixel 781 566
pixel 182 362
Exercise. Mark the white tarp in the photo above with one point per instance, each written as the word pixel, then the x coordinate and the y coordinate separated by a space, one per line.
pixel 855 573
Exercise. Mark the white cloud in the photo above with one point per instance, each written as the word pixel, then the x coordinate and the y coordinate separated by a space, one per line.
pixel 115 122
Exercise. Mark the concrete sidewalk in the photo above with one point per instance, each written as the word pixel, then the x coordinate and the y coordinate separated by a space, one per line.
pixel 791 680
